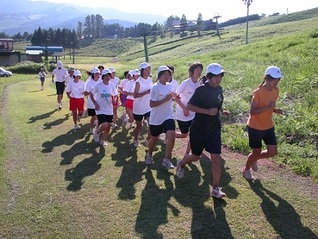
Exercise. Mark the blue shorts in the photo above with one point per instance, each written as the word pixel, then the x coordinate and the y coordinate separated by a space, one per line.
pixel 255 137
pixel 211 142
pixel 156 130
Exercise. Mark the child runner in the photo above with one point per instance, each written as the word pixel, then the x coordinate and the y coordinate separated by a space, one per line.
pixel 103 98
pixel 185 91
pixel 75 92
pixel 205 131
pixel 95 80
pixel 141 107
pixel 115 81
pixel 161 117
pixel 128 90
pixel 42 75
pixel 260 123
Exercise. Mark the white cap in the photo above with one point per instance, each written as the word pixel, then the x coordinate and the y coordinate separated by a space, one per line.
pixel 131 72
pixel 163 68
pixel 136 72
pixel 274 72
pixel 144 65
pixel 95 70
pixel 106 71
pixel 59 64
pixel 77 73
pixel 214 68
pixel 112 69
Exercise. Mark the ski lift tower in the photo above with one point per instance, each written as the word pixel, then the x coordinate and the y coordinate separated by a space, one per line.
pixel 247 3
pixel 216 16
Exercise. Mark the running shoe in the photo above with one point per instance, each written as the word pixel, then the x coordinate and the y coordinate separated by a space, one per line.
pixel 167 163
pixel 180 171
pixel 218 193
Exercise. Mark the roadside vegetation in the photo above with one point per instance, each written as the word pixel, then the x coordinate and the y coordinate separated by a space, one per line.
pixel 57 183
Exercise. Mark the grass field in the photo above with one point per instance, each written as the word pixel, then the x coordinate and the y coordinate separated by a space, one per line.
pixel 58 183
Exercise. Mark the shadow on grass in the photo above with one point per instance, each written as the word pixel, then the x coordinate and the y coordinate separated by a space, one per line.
pixel 281 214
pixel 56 122
pixel 154 206
pixel 132 170
pixel 41 117
pixel 87 167
pixel 65 139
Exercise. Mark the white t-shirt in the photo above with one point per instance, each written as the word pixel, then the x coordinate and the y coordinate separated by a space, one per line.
pixel 130 87
pixel 174 85
pixel 76 89
pixel 123 83
pixel 185 90
pixel 68 79
pixel 163 112
pixel 89 87
pixel 103 95
pixel 59 74
pixel 142 104
pixel 115 81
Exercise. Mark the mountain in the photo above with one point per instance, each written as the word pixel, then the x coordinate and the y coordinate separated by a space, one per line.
pixel 27 15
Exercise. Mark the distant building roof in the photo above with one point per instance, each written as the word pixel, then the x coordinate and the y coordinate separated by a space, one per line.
pixel 37 50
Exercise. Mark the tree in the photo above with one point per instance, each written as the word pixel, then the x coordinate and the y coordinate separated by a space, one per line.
pixel 99 26
pixel 93 26
pixel 80 30
pixel 183 23
pixel 199 24
pixel 88 27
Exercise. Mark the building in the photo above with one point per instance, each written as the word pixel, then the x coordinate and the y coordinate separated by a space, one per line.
pixel 35 53
pixel 8 57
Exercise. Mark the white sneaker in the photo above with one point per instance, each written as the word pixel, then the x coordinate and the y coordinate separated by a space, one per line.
pixel 180 171
pixel 103 143
pixel 91 131
pixel 167 163
pixel 60 106
pixel 247 174
pixel 148 159
pixel 76 127
pixel 136 143
pixel 217 193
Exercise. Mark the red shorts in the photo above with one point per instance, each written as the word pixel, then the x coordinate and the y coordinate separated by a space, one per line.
pixel 77 104
pixel 129 104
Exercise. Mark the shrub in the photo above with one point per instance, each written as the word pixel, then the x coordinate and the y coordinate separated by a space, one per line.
pixel 27 67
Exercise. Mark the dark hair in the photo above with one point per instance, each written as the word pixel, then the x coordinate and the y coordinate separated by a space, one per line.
pixel 125 74
pixel 209 76
pixel 89 73
pixel 267 77
pixel 194 66
pixel 170 67
pixel 100 67
pixel 162 72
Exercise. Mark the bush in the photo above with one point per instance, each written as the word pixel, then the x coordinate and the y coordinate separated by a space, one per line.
pixel 27 67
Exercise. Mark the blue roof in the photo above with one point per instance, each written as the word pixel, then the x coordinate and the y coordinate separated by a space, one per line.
pixel 42 48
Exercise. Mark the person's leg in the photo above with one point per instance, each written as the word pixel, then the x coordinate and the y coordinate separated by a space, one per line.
pixel 216 169
pixel 170 137
pixel 137 130
pixel 104 128
pixel 252 157
pixel 74 115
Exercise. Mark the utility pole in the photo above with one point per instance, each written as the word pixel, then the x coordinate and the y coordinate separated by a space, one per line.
pixel 217 24
pixel 247 3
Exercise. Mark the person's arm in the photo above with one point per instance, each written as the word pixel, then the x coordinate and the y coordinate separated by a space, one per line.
pixel 211 111
pixel 255 109
pixel 136 91
pixel 160 102
pixel 94 101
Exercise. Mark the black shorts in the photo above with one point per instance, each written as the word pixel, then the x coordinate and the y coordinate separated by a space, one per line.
pixel 60 87
pixel 156 130
pixel 211 142
pixel 256 136
pixel 141 117
pixel 184 126
pixel 91 112
pixel 105 119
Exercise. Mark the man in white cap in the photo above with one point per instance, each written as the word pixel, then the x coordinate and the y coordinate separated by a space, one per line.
pixel 58 76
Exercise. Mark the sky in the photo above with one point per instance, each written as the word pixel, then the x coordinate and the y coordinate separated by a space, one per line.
pixel 227 9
